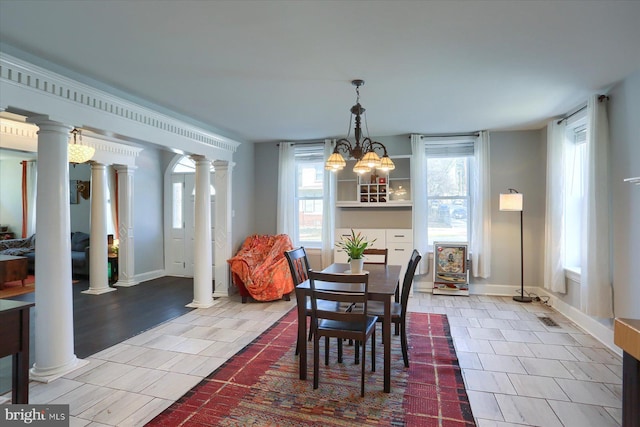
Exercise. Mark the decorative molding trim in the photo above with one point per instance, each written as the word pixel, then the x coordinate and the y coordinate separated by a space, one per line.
pixel 18 129
pixel 149 275
pixel 16 72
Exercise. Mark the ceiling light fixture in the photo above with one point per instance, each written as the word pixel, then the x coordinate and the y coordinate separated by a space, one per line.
pixel 78 152
pixel 364 153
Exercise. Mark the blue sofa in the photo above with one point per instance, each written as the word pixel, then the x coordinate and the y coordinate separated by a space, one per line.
pixel 27 248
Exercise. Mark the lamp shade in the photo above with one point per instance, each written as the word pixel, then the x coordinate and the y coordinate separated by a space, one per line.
pixel 361 168
pixel 511 202
pixel 80 153
pixel 371 159
pixel 335 162
pixel 386 164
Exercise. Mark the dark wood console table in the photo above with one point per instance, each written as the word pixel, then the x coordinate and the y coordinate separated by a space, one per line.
pixel 14 341
pixel 626 335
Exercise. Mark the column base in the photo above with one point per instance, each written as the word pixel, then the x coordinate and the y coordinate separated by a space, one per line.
pixel 48 375
pixel 99 291
pixel 125 283
pixel 196 304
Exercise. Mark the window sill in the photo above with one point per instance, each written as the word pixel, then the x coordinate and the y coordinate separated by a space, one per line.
pixel 572 273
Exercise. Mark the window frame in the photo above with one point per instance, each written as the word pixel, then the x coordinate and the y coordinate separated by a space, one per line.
pixel 309 154
pixel 575 133
pixel 451 148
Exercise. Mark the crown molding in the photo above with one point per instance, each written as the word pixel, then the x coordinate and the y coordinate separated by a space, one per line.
pixel 20 74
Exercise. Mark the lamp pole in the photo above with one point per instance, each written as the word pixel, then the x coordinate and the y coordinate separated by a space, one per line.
pixel 521 297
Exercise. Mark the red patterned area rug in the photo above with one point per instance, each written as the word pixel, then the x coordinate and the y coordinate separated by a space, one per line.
pixel 259 386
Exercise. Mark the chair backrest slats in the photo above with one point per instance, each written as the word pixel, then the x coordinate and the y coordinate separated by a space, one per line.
pixel 298 264
pixel 342 288
pixel 379 254
pixel 408 279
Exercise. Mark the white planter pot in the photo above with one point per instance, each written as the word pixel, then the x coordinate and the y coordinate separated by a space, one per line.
pixel 356 265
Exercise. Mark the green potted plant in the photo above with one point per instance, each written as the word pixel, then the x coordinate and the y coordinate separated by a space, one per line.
pixel 354 247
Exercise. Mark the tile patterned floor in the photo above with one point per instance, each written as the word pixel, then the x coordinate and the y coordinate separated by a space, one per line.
pixel 518 372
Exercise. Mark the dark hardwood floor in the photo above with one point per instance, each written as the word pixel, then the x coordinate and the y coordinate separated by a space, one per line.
pixel 100 321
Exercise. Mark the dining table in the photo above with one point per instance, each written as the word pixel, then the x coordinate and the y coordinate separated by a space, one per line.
pixel 383 285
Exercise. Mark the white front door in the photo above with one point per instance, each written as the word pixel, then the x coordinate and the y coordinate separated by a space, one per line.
pixel 183 225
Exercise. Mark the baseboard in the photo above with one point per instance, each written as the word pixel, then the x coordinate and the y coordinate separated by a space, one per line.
pixel 587 323
pixel 150 275
pixel 594 328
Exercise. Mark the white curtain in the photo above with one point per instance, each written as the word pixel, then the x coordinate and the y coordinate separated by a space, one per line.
pixel 328 208
pixel 112 227
pixel 32 174
pixel 554 278
pixel 286 217
pixel 480 245
pixel 595 277
pixel 419 199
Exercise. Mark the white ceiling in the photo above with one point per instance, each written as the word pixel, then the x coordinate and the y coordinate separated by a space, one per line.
pixel 281 70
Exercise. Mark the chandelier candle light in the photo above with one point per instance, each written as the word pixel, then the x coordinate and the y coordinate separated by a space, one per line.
pixel 512 201
pixel 364 153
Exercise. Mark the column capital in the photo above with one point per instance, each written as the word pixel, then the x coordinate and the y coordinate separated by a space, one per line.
pixel 125 168
pixel 43 122
pixel 199 158
pixel 223 164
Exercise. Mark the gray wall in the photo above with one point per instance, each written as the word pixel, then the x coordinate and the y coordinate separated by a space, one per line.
pixel 80 213
pixel 266 187
pixel 242 202
pixel 624 125
pixel 518 162
pixel 148 183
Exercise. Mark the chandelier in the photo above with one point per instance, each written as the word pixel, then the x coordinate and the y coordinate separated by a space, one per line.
pixel 364 153
pixel 77 151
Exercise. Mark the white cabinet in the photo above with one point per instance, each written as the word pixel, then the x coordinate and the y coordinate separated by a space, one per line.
pixel 400 245
pixel 399 242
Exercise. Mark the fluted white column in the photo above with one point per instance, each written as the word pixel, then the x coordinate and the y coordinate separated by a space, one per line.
pixel 54 346
pixel 222 177
pixel 202 275
pixel 98 250
pixel 126 270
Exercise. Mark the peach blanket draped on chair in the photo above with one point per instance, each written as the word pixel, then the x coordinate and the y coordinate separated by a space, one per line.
pixel 260 269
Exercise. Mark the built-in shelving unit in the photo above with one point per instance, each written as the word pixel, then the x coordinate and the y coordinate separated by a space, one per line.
pixel 376 189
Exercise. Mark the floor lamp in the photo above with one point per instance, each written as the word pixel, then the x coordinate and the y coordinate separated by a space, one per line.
pixel 512 201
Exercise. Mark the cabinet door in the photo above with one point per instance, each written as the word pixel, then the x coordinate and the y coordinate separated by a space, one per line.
pixel 399 254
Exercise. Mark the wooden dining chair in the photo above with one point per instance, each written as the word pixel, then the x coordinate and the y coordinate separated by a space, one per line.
pixel 299 267
pixel 398 310
pixel 379 254
pixel 358 326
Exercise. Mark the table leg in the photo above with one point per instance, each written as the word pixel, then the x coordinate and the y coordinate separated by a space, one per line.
pixel 386 337
pixel 302 331
pixel 20 376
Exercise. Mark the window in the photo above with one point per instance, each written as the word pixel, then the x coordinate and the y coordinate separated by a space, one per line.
pixel 309 193
pixel 574 169
pixel 448 195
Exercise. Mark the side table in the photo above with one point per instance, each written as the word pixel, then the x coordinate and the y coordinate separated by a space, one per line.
pixel 14 341
pixel 13 268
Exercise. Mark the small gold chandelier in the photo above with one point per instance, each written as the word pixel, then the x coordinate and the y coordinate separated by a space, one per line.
pixel 364 153
pixel 77 151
